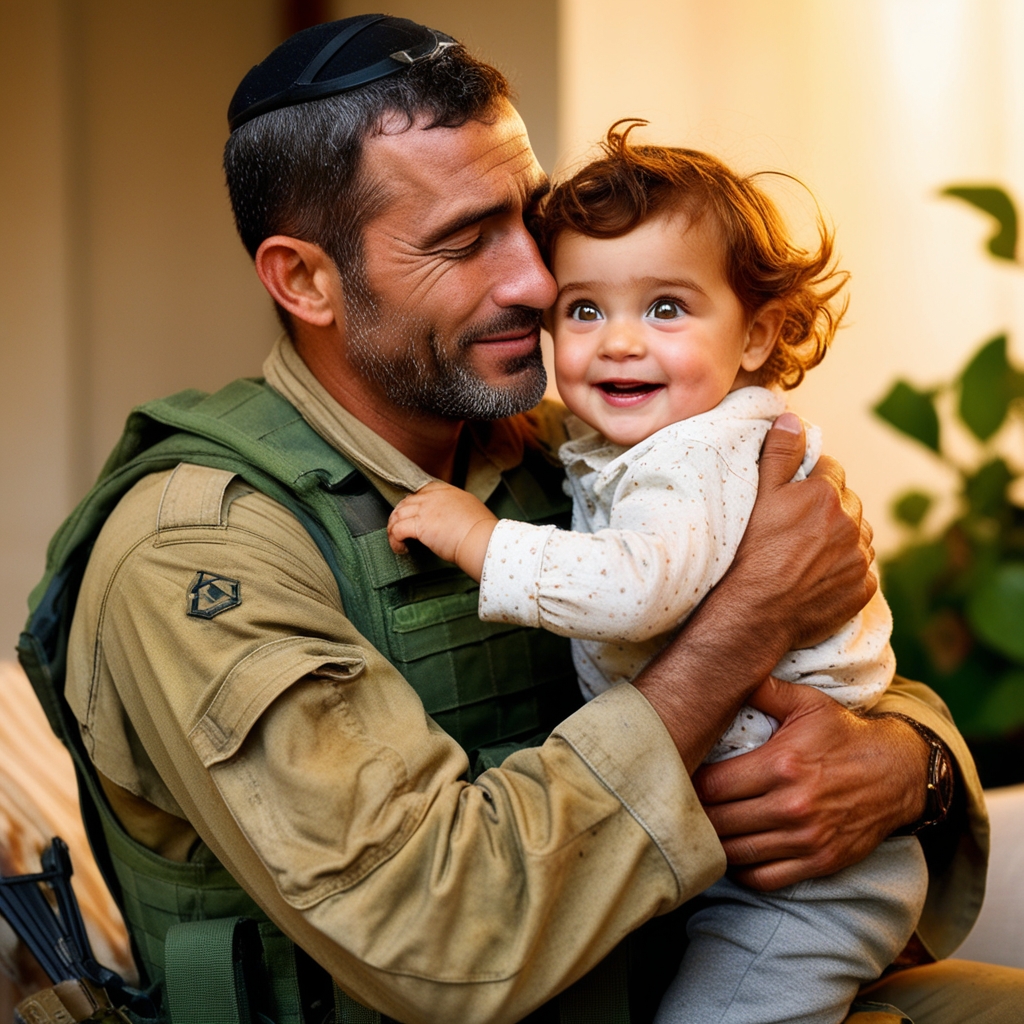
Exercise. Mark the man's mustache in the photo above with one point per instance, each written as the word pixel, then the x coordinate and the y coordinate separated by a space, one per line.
pixel 515 318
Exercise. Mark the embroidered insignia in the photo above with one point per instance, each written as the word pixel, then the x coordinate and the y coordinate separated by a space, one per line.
pixel 210 595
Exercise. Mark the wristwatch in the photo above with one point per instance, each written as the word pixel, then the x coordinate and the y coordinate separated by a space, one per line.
pixel 941 779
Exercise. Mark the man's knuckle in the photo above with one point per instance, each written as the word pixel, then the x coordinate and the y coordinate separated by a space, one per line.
pixel 756 878
pixel 799 806
pixel 789 765
pixel 825 862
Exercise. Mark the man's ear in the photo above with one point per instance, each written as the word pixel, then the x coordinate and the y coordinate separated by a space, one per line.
pixel 762 335
pixel 301 278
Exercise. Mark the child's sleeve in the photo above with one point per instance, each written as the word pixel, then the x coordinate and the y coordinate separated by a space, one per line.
pixel 669 542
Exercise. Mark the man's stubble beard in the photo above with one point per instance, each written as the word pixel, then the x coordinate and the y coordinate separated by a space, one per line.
pixel 421 373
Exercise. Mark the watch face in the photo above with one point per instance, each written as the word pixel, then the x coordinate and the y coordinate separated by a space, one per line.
pixel 940 784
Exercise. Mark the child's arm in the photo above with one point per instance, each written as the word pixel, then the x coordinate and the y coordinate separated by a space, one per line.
pixel 632 582
pixel 669 540
pixel 612 585
pixel 451 522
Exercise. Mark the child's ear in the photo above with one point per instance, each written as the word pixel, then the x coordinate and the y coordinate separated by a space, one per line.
pixel 762 335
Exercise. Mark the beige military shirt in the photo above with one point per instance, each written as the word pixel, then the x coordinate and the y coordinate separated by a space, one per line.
pixel 278 735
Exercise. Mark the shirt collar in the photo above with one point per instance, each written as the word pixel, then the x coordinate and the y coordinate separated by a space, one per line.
pixel 496 447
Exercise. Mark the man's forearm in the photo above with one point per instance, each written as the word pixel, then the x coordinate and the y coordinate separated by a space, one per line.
pixel 699 682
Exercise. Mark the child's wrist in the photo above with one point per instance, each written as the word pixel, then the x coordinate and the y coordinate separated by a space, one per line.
pixel 472 549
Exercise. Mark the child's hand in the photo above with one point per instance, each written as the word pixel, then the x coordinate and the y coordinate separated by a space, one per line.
pixel 449 521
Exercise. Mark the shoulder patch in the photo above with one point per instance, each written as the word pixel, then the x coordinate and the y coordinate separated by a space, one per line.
pixel 210 595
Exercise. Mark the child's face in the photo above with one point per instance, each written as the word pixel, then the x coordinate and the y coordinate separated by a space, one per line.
pixel 647 330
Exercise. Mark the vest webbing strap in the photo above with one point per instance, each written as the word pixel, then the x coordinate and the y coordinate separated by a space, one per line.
pixel 348 1011
pixel 204 978
pixel 281 972
pixel 219 969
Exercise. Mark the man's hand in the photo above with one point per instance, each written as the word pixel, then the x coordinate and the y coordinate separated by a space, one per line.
pixel 811 537
pixel 449 521
pixel 820 795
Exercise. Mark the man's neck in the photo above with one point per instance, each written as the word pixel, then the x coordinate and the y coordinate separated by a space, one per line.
pixel 431 442
pixel 428 441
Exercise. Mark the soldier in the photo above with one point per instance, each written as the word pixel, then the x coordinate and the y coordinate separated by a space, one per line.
pixel 317 782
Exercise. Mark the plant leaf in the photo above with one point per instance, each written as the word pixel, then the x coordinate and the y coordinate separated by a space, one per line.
pixel 911 507
pixel 912 412
pixel 985 491
pixel 995 202
pixel 908 579
pixel 1003 708
pixel 987 386
pixel 996 610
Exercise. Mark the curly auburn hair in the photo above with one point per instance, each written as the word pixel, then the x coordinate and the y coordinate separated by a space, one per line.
pixel 614 194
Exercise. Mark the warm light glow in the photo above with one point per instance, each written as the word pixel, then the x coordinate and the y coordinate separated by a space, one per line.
pixel 876 106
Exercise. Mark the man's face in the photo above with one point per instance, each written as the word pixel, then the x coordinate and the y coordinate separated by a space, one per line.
pixel 445 317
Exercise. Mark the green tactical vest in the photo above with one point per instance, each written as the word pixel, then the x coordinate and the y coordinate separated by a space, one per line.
pixel 205 949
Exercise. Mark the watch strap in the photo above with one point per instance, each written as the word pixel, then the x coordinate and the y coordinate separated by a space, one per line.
pixel 940 780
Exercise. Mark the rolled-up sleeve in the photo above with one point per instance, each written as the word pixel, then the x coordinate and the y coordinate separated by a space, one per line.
pixel 307 763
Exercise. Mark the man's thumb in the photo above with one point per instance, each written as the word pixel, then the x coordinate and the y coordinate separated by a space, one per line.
pixel 782 452
pixel 777 698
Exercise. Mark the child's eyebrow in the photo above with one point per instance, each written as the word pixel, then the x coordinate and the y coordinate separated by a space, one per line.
pixel 683 283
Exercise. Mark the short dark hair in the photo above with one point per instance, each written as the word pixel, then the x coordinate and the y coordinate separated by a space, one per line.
pixel 295 171
pixel 631 183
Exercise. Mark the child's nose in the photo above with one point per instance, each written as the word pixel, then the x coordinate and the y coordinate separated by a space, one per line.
pixel 622 341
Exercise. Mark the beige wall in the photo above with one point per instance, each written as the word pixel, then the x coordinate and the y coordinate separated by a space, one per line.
pixel 171 298
pixel 520 38
pixel 875 105
pixel 121 278
pixel 34 358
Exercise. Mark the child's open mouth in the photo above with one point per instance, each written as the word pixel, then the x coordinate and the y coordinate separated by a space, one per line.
pixel 627 392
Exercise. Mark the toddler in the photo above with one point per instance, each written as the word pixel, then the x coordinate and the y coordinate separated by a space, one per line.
pixel 683 304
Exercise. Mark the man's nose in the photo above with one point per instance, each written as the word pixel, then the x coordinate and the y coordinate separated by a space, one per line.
pixel 525 281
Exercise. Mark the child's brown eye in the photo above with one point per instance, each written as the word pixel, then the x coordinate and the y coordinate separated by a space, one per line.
pixel 586 312
pixel 665 309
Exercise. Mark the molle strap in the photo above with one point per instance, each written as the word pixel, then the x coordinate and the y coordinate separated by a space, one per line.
pixel 206 975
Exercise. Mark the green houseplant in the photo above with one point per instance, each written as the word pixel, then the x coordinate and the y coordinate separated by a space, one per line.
pixel 957 591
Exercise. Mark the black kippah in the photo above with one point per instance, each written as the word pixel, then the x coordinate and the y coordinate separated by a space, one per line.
pixel 331 58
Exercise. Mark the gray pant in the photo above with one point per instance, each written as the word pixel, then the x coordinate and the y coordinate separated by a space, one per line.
pixel 797 955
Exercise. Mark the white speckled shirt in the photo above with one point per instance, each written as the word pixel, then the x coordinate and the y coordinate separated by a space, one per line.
pixel 655 527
